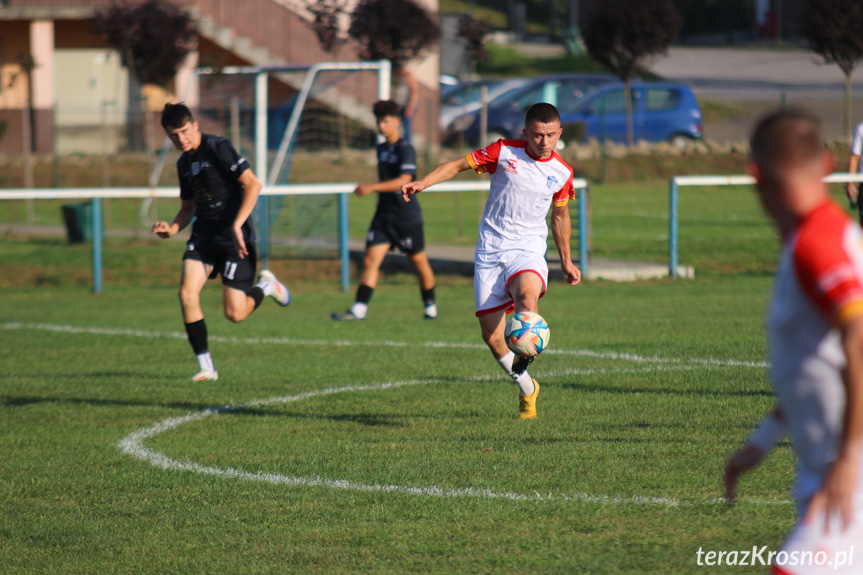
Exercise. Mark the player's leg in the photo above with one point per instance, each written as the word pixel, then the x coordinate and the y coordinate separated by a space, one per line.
pixel 411 241
pixel 525 289
pixel 192 280
pixel 239 297
pixel 492 326
pixel 372 261
pixel 374 257
pixel 420 262
pixel 527 275
pixel 492 303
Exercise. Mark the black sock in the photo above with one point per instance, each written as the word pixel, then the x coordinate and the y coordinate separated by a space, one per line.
pixel 364 294
pixel 257 294
pixel 428 295
pixel 197 332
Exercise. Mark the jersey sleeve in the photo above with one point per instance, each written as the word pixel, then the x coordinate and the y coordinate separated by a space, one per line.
pixel 484 160
pixel 566 193
pixel 828 258
pixel 407 160
pixel 230 160
pixel 857 143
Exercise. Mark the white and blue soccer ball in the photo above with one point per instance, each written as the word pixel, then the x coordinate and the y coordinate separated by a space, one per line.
pixel 527 334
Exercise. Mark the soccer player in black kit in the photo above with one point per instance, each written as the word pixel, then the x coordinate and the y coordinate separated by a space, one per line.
pixel 396 222
pixel 219 190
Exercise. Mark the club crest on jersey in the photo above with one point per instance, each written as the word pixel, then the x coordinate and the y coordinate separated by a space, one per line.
pixel 551 182
pixel 511 166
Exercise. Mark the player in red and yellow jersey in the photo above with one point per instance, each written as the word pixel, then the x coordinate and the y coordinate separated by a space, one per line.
pixel 815 331
pixel 510 272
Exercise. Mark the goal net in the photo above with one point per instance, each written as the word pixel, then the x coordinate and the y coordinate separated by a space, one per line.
pixel 295 124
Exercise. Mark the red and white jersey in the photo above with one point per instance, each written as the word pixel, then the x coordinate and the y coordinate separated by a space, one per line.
pixel 819 284
pixel 522 189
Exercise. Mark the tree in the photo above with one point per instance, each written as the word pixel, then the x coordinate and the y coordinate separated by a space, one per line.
pixel 326 23
pixel 834 29
pixel 394 30
pixel 475 33
pixel 623 36
pixel 153 38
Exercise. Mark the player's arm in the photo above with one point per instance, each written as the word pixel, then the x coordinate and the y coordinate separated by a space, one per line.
pixel 394 185
pixel 837 492
pixel 251 190
pixel 760 443
pixel 413 95
pixel 181 220
pixel 561 231
pixel 853 166
pixel 444 172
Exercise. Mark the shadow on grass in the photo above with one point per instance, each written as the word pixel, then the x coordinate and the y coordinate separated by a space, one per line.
pixel 663 390
pixel 23 401
pixel 366 419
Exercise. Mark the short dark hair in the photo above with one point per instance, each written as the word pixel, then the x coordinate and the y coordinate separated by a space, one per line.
pixel 384 108
pixel 786 138
pixel 175 116
pixel 543 113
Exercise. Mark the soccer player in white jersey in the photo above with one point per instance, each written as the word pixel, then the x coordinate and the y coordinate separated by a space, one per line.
pixel 815 332
pixel 854 167
pixel 510 273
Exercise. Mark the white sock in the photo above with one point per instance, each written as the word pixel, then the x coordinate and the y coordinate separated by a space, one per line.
pixel 360 309
pixel 431 310
pixel 205 360
pixel 524 381
pixel 266 286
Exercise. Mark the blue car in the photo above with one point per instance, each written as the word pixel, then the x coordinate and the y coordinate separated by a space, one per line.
pixel 506 112
pixel 660 112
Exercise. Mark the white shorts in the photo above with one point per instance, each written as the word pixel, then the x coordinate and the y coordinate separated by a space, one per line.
pixel 493 272
pixel 811 551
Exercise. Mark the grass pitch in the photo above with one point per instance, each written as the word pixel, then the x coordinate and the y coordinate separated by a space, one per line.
pixel 319 466
pixel 390 445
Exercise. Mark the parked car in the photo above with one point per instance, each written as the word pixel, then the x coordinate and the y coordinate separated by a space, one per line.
pixel 466 97
pixel 506 111
pixel 660 112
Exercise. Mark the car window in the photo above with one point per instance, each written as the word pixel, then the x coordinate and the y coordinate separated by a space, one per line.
pixel 662 99
pixel 467 93
pixel 614 102
pixel 566 94
pixel 527 99
pixel 570 94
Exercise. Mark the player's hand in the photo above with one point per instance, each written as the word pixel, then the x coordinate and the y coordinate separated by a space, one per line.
pixel 739 463
pixel 852 192
pixel 364 190
pixel 836 496
pixel 571 272
pixel 410 189
pixel 239 243
pixel 162 229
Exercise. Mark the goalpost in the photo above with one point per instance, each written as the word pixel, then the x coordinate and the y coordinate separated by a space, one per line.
pixel 327 88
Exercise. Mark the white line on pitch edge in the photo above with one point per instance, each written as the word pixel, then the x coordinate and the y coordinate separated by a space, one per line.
pixel 615 356
pixel 133 445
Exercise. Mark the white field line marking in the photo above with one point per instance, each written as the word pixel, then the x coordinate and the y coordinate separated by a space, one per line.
pixel 611 355
pixel 133 445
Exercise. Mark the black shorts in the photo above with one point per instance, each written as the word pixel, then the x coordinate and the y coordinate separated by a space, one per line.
pixel 236 273
pixel 407 236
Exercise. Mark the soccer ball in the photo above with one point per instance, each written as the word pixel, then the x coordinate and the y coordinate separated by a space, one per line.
pixel 527 334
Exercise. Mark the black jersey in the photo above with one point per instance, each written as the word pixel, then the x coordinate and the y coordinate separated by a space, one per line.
pixel 395 160
pixel 210 178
